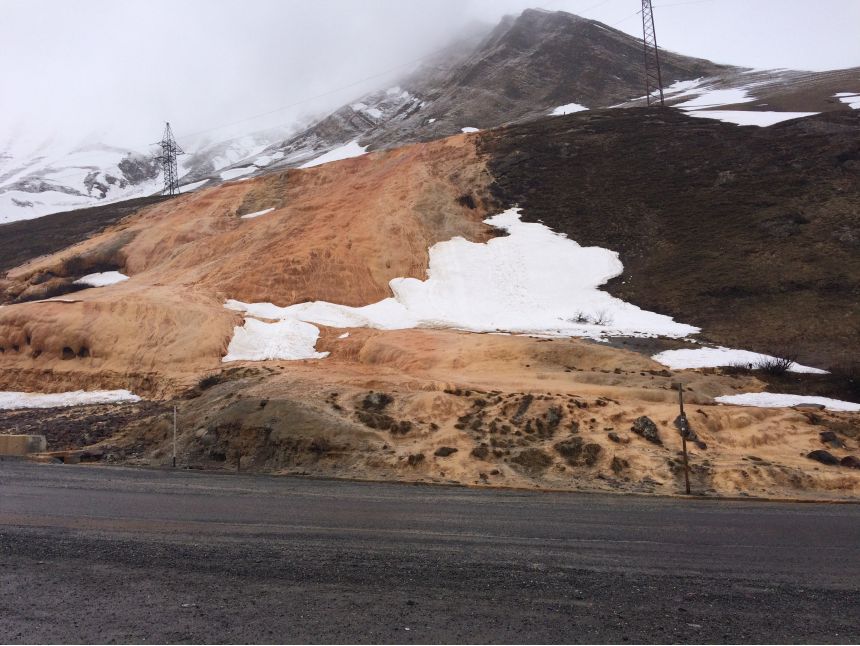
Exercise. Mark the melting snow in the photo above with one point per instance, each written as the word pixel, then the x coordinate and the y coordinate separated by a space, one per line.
pixel 237 172
pixel 714 98
pixel 256 214
pixel 287 339
pixel 469 129
pixel 101 279
pixel 749 117
pixel 352 149
pixel 777 400
pixel 719 356
pixel 187 188
pixel 568 108
pixel 532 281
pixel 851 98
pixel 344 335
pixel 14 400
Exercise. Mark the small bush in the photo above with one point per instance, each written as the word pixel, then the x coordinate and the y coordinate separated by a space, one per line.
pixel 603 318
pixel 208 381
pixel 777 366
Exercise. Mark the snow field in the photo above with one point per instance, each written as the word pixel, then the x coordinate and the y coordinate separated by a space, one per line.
pixel 568 108
pixel 777 400
pixel 10 400
pixel 719 356
pixel 352 149
pixel 851 98
pixel 233 173
pixel 749 117
pixel 101 279
pixel 532 281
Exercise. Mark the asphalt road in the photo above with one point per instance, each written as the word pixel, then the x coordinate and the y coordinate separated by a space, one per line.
pixel 98 554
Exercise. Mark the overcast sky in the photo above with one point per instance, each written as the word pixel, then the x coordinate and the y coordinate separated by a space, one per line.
pixel 117 69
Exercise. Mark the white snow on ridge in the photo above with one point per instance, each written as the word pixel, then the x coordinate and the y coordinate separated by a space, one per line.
pixel 749 117
pixel 717 357
pixel 714 98
pixel 233 173
pixel 851 98
pixel 352 149
pixel 469 129
pixel 10 400
pixel 532 281
pixel 568 108
pixel 187 188
pixel 777 400
pixel 101 279
pixel 256 214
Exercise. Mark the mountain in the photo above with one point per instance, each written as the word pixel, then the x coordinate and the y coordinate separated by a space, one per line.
pixel 526 67
pixel 416 313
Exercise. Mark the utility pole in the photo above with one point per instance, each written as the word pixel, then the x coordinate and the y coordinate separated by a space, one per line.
pixel 169 152
pixel 174 437
pixel 653 78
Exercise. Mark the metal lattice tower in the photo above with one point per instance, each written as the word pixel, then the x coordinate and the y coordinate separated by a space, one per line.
pixel 170 150
pixel 653 79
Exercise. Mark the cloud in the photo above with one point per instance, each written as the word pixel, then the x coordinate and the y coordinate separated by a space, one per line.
pixel 116 70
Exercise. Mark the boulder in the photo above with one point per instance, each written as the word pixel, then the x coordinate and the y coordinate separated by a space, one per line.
pixel 647 429
pixel 850 461
pixel 444 451
pixel 825 457
pixel 830 438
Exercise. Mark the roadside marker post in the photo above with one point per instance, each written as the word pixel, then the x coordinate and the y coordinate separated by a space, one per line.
pixel 174 437
pixel 683 427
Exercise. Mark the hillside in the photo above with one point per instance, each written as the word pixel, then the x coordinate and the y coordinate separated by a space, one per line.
pixel 343 384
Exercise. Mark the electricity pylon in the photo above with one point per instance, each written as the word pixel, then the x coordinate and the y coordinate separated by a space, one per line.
pixel 653 79
pixel 170 150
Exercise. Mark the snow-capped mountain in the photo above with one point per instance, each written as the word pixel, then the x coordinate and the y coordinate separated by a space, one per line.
pixel 530 66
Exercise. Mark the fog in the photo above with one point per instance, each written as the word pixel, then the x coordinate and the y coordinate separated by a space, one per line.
pixel 114 71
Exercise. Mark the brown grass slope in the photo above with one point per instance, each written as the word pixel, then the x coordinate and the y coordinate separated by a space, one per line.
pixel 751 233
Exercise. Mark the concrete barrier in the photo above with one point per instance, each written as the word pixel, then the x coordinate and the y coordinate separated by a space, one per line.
pixel 22 444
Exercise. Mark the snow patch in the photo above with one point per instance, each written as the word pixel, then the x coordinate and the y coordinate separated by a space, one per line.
pixel 237 172
pixel 10 400
pixel 352 149
pixel 532 281
pixel 187 188
pixel 715 98
pixel 777 400
pixel 469 129
pixel 852 99
pixel 101 279
pixel 720 356
pixel 749 117
pixel 344 335
pixel 431 120
pixel 256 214
pixel 568 108
pixel 287 339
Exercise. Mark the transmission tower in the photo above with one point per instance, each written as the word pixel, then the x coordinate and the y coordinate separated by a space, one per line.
pixel 170 150
pixel 653 79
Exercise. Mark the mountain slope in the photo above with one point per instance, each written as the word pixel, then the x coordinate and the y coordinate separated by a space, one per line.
pixel 518 71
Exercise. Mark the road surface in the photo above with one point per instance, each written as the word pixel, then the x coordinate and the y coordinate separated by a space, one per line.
pixel 100 554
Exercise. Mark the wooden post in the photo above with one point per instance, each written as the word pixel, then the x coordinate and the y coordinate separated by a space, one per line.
pixel 174 437
pixel 684 439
